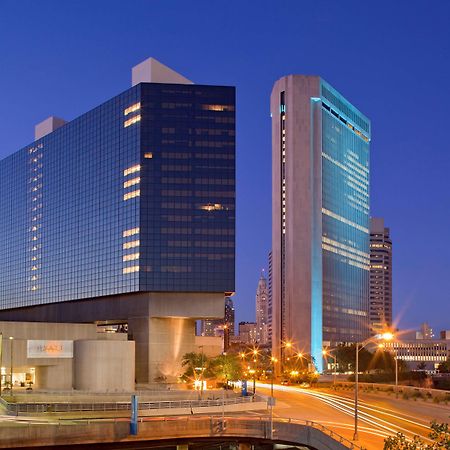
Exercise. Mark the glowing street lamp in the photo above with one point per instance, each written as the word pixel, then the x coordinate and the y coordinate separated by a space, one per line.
pixel 387 336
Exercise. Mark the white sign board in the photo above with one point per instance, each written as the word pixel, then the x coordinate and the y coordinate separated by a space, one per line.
pixel 49 349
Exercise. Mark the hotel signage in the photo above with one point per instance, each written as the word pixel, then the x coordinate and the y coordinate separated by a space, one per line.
pixel 49 349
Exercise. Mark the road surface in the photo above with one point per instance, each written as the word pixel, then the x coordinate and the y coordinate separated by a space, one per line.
pixel 379 416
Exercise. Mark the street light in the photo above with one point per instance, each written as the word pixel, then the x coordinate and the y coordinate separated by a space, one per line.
pixel 272 399
pixel 253 371
pixel 359 346
pixel 11 364
pixel 325 354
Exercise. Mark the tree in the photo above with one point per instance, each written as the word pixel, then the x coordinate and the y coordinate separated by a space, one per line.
pixel 439 434
pixel 228 367
pixel 197 365
pixel 445 366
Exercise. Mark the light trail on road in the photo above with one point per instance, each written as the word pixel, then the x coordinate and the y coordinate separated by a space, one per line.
pixel 384 421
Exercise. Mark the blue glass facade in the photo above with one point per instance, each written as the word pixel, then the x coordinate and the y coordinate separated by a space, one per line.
pixel 345 219
pixel 136 195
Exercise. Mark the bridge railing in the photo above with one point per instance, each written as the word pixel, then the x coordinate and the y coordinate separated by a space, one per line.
pixel 63 407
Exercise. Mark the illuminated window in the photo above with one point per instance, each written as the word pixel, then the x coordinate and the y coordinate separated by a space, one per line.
pixel 130 232
pixel 212 207
pixel 131 121
pixel 132 169
pixel 218 107
pixel 130 257
pixel 130 244
pixel 132 108
pixel 130 269
pixel 132 194
pixel 148 155
pixel 132 182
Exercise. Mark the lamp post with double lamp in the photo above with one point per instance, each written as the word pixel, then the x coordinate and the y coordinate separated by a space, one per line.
pixel 326 353
pixel 359 346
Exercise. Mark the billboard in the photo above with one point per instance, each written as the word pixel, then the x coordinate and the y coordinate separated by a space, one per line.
pixel 49 349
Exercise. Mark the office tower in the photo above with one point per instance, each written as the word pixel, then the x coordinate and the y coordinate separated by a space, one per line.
pixel 269 301
pixel 247 333
pixel 126 214
pixel 262 300
pixel 320 228
pixel 380 284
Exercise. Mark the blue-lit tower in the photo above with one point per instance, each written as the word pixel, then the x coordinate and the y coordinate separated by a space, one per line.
pixel 320 228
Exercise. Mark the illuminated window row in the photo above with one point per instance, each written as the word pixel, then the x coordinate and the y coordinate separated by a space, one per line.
pixel 130 244
pixel 130 257
pixel 131 194
pixel 212 207
pixel 345 247
pixel 348 255
pixel 131 232
pixel 130 269
pixel 132 120
pixel 349 125
pixel 218 107
pixel 132 169
pixel 131 182
pixel 132 108
pixel 148 155
pixel 361 175
pixel 344 220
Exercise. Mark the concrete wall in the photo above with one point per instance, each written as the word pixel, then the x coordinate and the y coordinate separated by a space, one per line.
pixel 103 366
pixel 160 344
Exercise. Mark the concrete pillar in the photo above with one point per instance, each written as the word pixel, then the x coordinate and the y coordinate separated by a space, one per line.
pixel 138 331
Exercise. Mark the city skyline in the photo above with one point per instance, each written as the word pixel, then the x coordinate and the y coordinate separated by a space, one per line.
pixel 406 148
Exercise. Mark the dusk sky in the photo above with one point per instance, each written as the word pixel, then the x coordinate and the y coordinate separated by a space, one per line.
pixel 391 59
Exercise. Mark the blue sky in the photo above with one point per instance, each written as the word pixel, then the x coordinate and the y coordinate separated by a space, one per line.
pixel 390 59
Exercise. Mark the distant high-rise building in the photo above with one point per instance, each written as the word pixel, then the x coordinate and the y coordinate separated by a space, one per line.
pixel 220 327
pixel 269 302
pixel 425 332
pixel 229 315
pixel 247 332
pixel 380 289
pixel 320 228
pixel 262 300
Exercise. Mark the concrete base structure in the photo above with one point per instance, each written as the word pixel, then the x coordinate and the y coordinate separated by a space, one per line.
pixel 100 362
pixel 162 325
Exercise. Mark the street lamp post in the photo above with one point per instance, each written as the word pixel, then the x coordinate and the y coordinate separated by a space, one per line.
pixel 325 353
pixel 359 347
pixel 11 364
pixel 272 399
pixel 255 355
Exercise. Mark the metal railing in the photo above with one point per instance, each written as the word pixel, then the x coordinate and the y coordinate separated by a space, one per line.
pixel 64 407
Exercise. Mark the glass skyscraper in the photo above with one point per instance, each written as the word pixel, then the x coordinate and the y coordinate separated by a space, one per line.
pixel 320 229
pixel 135 196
